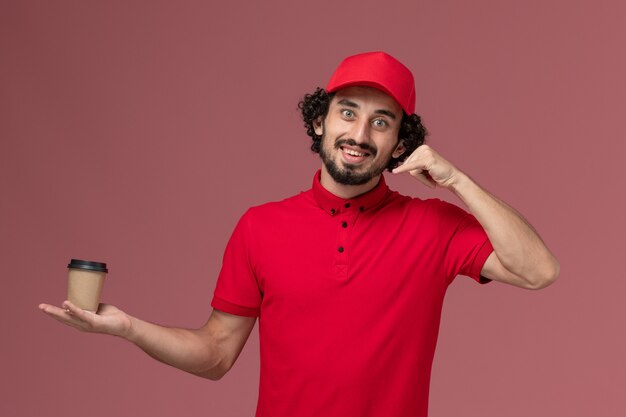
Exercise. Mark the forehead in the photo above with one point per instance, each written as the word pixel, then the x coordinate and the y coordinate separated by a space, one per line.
pixel 367 97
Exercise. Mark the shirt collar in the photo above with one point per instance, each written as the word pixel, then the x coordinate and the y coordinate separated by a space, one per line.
pixel 333 205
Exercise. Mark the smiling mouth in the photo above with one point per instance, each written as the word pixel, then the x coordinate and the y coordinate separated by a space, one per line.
pixel 354 153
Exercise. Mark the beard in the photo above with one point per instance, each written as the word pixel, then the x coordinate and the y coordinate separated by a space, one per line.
pixel 350 174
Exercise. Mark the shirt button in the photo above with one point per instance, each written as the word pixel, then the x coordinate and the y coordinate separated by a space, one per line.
pixel 332 211
pixel 362 208
pixel 340 249
pixel 347 205
pixel 344 224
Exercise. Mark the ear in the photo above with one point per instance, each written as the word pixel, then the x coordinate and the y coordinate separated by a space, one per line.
pixel 400 149
pixel 318 126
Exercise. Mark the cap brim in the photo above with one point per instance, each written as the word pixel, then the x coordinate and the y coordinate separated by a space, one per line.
pixel 372 84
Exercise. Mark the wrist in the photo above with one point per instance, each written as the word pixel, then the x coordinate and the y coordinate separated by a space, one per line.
pixel 463 187
pixel 459 182
pixel 130 332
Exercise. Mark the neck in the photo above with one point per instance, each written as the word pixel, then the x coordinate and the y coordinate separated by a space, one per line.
pixel 345 191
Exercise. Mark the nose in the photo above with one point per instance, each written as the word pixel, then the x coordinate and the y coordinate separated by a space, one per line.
pixel 361 132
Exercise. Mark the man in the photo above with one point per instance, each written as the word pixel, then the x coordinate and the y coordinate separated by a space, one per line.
pixel 347 278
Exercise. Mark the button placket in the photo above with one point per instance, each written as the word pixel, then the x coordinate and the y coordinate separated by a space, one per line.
pixel 345 219
pixel 343 223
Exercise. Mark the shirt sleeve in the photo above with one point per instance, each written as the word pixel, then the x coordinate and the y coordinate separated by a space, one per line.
pixel 466 246
pixel 237 290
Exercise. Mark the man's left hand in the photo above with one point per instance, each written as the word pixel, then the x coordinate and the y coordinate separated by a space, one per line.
pixel 429 167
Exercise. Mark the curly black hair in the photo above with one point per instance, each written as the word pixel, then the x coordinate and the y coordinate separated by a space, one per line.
pixel 412 131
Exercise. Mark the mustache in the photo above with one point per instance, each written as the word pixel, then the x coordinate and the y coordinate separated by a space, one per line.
pixel 351 142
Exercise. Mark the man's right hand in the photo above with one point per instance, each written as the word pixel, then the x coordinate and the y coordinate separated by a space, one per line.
pixel 109 320
pixel 209 351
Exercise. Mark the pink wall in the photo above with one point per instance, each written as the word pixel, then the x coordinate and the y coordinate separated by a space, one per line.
pixel 138 132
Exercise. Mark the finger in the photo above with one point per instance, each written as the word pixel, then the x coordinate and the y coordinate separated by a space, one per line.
pixel 71 322
pixel 52 310
pixel 408 165
pixel 79 313
pixel 401 168
pixel 43 306
pixel 62 315
pixel 422 177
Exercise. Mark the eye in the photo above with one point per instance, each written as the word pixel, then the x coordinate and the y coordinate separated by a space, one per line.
pixel 380 123
pixel 347 113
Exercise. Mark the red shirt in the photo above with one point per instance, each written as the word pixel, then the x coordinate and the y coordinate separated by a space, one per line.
pixel 349 296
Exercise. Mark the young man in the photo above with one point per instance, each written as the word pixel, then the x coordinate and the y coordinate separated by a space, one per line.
pixel 347 278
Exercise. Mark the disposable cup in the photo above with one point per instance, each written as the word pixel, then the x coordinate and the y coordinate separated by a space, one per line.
pixel 84 283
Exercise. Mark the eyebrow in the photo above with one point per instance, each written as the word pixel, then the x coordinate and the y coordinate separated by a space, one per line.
pixel 348 103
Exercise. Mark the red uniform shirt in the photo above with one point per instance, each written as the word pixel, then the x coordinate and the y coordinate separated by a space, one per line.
pixel 349 296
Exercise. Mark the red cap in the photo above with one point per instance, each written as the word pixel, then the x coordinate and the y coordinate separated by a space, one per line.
pixel 378 70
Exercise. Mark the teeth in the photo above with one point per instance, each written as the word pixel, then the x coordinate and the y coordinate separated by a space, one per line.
pixel 353 153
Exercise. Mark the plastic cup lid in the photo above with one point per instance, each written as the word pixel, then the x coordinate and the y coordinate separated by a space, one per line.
pixel 88 265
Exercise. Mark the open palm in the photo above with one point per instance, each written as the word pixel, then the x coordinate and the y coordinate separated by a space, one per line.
pixel 109 319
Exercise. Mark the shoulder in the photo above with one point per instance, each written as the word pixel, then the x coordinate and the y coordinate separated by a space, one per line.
pixel 445 208
pixel 430 206
pixel 433 212
pixel 279 209
pixel 446 214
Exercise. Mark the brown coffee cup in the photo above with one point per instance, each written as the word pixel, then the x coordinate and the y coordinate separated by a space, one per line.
pixel 84 283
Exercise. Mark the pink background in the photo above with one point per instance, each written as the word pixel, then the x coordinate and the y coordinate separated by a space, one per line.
pixel 137 133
